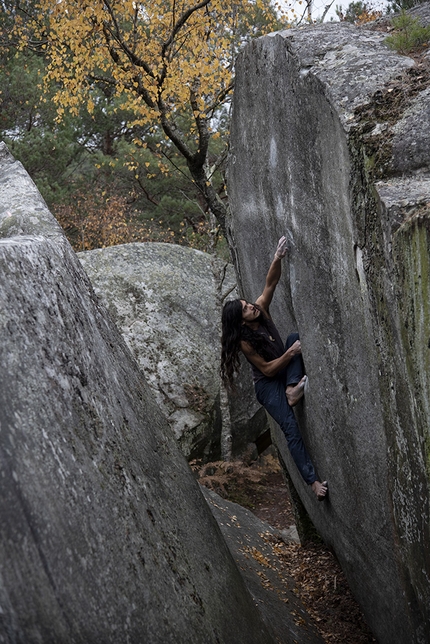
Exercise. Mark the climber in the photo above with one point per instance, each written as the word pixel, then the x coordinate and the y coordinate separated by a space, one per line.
pixel 277 370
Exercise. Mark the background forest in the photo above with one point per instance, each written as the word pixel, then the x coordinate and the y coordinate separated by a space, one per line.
pixel 132 149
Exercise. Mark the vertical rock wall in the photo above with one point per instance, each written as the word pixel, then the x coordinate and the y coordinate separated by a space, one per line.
pixel 105 536
pixel 304 162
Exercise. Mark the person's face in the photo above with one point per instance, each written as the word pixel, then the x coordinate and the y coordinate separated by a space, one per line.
pixel 249 312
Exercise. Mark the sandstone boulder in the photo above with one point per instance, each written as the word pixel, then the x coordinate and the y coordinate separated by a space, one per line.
pixel 105 534
pixel 329 146
pixel 164 300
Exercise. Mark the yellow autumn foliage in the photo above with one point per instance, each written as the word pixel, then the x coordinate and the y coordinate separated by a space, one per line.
pixel 169 61
pixel 163 55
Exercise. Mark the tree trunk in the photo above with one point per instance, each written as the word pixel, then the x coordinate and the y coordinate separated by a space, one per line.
pixel 218 207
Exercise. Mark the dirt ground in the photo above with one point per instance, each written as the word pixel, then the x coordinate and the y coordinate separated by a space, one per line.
pixel 320 583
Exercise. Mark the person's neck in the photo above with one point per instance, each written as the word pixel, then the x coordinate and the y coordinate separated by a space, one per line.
pixel 253 325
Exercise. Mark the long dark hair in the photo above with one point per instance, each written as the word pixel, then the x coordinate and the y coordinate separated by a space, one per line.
pixel 233 331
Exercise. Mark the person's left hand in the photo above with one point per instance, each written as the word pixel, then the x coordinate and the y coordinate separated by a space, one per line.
pixel 281 250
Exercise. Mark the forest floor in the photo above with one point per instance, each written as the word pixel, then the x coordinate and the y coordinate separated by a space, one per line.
pixel 320 583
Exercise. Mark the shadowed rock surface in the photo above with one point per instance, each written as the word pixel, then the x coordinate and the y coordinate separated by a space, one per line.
pixel 105 534
pixel 252 544
pixel 318 145
pixel 163 299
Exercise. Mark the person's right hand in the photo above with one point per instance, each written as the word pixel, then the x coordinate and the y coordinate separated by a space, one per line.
pixel 295 348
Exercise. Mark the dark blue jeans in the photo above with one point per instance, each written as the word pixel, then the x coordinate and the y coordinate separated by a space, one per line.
pixel 271 394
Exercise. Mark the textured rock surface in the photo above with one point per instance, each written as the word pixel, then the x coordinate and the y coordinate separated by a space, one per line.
pixel 316 146
pixel 351 63
pixel 105 534
pixel 270 584
pixel 422 12
pixel 23 210
pixel 163 299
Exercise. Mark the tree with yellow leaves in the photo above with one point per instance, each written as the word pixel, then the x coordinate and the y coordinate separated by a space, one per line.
pixel 169 62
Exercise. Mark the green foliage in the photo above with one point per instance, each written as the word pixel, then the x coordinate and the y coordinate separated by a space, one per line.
pixel 86 154
pixel 352 12
pixel 89 151
pixel 100 147
pixel 396 6
pixel 27 125
pixel 409 34
pixel 357 13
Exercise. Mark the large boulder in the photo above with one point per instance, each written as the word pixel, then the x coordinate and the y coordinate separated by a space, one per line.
pixel 166 301
pixel 105 534
pixel 329 146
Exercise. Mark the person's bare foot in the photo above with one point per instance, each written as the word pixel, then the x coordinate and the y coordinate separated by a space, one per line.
pixel 320 489
pixel 295 392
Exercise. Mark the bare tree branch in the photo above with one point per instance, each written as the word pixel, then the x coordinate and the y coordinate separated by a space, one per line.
pixel 116 35
pixel 181 22
pixel 326 10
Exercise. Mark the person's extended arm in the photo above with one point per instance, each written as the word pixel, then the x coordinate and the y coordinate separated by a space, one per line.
pixel 273 275
pixel 271 368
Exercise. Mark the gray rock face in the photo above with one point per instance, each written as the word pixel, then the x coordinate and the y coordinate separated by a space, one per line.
pixel 270 584
pixel 105 534
pixel 351 63
pixel 23 210
pixel 317 146
pixel 411 141
pixel 422 12
pixel 164 300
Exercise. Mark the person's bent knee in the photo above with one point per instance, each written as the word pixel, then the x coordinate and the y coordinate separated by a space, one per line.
pixel 291 339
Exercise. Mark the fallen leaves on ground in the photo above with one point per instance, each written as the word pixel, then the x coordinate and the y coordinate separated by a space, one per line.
pixel 320 582
pixel 324 592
